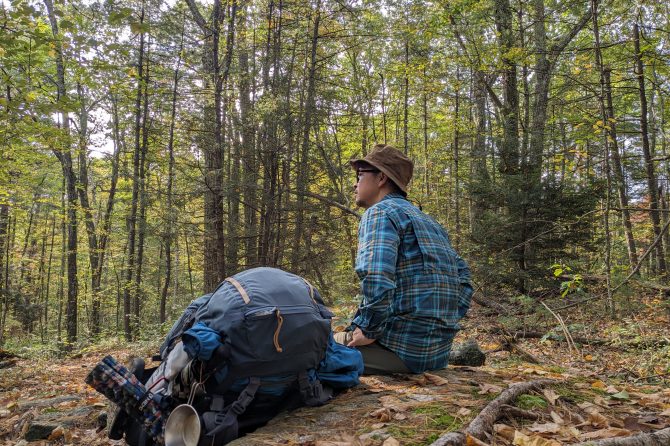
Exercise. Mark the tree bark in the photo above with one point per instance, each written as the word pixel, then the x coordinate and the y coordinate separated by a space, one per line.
pixel 129 291
pixel 646 151
pixel 509 148
pixel 143 202
pixel 211 146
pixel 4 259
pixel 603 114
pixel 483 423
pixel 658 438
pixel 83 189
pixel 619 172
pixel 169 233
pixel 64 155
pixel 303 160
pixel 250 174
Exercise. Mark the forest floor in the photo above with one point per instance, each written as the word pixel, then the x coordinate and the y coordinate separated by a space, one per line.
pixel 613 382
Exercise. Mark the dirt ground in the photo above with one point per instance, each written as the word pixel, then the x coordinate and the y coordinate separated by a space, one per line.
pixel 601 390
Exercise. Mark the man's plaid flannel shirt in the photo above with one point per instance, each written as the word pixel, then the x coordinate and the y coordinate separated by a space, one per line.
pixel 414 286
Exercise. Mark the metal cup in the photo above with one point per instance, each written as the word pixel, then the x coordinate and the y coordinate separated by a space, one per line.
pixel 183 427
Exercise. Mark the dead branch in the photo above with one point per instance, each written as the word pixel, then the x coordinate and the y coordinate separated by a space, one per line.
pixel 483 423
pixel 588 341
pixel 514 412
pixel 658 438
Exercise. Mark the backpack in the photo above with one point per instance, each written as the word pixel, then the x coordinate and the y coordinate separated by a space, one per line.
pixel 255 345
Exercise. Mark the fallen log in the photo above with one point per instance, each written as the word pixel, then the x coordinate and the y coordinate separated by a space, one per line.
pixel 482 425
pixel 650 343
pixel 658 438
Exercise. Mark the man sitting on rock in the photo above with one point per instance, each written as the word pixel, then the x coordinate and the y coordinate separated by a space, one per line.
pixel 414 286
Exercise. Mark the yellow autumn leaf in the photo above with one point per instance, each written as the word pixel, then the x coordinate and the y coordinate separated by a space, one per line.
pixel 599 385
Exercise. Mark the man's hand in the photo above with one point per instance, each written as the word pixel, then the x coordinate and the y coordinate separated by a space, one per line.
pixel 358 338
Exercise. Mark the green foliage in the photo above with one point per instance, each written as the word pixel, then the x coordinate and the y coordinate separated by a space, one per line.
pixel 531 402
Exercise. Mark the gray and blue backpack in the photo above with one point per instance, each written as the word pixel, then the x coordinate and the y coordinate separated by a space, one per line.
pixel 260 343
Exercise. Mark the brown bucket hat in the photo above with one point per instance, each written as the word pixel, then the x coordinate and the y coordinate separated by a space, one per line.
pixel 395 164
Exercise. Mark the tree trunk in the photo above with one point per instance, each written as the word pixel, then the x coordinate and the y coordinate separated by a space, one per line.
pixel 64 155
pixel 405 131
pixel 169 233
pixel 4 260
pixel 93 249
pixel 234 158
pixel 129 291
pixel 455 174
pixel 619 172
pixel 211 145
pixel 509 149
pixel 646 151
pixel 303 160
pixel 143 202
pixel 603 113
pixel 250 175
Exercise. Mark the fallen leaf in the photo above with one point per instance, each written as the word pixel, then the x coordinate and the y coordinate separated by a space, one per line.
pixel 557 418
pixel 631 424
pixel 551 396
pixel 473 441
pixel 393 403
pixel 596 419
pixel 436 379
pixel 521 439
pixel 569 433
pixel 390 441
pixel 332 443
pixel 600 401
pixel 383 414
pixel 418 379
pixel 400 416
pixel 378 425
pixel 375 390
pixel 611 390
pixel 653 419
pixel 623 395
pixel 544 428
pixel 605 433
pixel 57 433
pixel 377 412
pixel 463 412
pixel 665 413
pixel 489 388
pixel 599 385
pixel 504 431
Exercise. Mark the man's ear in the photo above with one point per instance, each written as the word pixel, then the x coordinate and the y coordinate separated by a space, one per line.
pixel 383 179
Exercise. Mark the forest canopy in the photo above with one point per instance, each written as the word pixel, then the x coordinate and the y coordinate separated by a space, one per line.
pixel 149 149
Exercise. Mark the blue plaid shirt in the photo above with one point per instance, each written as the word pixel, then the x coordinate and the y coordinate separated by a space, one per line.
pixel 414 286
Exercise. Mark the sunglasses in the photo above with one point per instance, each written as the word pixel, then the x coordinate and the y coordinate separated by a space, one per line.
pixel 359 172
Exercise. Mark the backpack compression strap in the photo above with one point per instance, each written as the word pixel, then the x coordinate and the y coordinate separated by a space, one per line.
pixel 313 393
pixel 311 289
pixel 225 423
pixel 238 286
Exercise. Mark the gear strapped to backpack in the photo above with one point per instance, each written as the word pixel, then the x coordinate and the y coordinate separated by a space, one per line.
pixel 254 343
